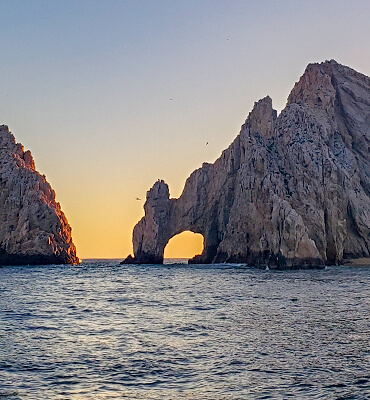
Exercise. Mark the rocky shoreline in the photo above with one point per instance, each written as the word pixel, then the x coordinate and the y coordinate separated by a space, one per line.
pixel 357 262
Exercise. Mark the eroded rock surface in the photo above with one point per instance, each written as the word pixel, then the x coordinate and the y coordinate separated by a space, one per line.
pixel 33 228
pixel 291 190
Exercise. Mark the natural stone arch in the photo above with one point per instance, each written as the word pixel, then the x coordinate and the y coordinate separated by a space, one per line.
pixel 165 218
pixel 291 191
pixel 192 245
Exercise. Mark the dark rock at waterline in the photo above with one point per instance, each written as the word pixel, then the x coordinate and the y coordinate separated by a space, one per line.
pixel 131 260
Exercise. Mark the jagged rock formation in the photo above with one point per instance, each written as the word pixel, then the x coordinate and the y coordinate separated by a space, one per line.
pixel 33 228
pixel 291 190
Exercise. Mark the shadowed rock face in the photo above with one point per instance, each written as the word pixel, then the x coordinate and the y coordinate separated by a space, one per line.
pixel 290 191
pixel 33 228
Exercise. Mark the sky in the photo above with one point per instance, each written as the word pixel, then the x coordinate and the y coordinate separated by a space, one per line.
pixel 111 95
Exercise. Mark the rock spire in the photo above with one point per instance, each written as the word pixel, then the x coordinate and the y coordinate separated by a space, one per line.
pixel 33 228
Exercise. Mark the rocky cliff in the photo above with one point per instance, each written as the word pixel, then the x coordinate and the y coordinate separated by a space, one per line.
pixel 33 228
pixel 291 191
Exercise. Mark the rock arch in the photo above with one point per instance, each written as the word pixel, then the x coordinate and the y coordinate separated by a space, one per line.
pixel 166 218
pixel 291 191
pixel 184 245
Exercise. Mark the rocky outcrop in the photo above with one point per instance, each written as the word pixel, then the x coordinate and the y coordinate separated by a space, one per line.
pixel 291 191
pixel 33 228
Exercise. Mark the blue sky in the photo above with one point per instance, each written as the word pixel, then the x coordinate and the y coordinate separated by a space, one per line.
pixel 86 85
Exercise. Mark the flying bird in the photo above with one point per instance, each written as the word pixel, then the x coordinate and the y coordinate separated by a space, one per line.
pixel 206 143
pixel 137 198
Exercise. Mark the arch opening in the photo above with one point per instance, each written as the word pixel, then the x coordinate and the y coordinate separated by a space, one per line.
pixel 183 246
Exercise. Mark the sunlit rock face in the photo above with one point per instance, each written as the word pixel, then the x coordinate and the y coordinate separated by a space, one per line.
pixel 291 191
pixel 33 228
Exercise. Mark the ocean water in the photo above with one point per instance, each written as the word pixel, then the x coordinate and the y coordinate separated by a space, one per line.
pixel 220 332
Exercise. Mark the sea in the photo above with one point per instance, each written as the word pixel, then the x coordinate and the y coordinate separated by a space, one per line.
pixel 101 330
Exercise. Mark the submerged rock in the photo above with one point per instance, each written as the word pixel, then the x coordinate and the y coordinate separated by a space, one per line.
pixel 33 228
pixel 291 191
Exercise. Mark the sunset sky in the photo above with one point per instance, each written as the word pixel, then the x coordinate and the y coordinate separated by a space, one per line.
pixel 110 95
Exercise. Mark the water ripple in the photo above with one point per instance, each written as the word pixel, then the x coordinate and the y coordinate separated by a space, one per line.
pixel 104 331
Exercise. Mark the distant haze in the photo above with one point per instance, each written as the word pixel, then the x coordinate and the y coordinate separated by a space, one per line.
pixel 111 95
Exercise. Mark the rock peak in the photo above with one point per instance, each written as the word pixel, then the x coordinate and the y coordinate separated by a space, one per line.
pixel 318 85
pixel 264 101
pixel 159 190
pixel 262 118
pixel 33 228
pixel 314 88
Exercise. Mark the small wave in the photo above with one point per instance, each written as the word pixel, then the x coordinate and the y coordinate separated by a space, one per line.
pixel 8 394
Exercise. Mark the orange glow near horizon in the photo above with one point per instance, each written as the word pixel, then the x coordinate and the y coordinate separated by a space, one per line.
pixel 184 245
